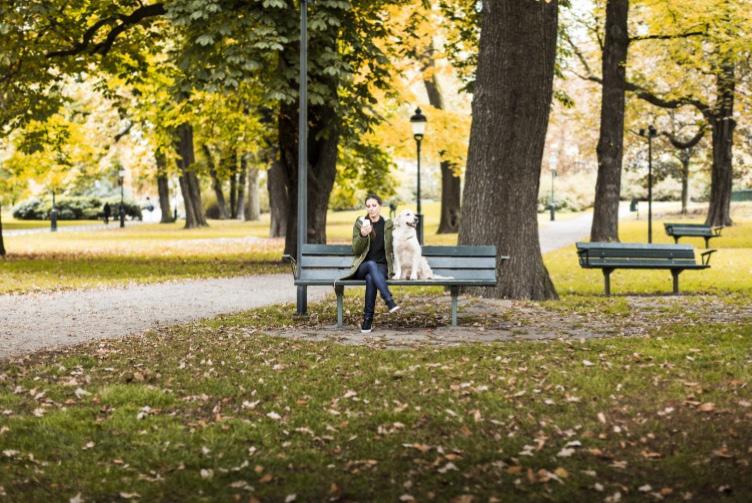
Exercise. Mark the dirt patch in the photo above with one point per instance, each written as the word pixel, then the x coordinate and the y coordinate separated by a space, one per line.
pixel 425 321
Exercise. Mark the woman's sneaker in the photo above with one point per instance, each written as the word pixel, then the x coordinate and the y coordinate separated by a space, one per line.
pixel 367 326
pixel 392 306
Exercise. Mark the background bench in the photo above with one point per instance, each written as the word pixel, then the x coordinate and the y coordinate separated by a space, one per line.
pixel 467 265
pixel 708 232
pixel 610 256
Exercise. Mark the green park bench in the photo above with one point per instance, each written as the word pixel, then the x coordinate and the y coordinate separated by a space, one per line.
pixel 611 256
pixel 708 232
pixel 462 265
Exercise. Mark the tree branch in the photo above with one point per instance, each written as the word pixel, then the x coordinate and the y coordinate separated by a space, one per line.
pixel 658 101
pixel 103 47
pixel 640 38
pixel 677 143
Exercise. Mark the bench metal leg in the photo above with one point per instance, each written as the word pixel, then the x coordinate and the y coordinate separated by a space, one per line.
pixel 707 242
pixel 676 239
pixel 340 291
pixel 675 274
pixel 607 280
pixel 455 290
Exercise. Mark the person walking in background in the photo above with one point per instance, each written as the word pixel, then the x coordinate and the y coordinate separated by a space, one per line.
pixel 107 213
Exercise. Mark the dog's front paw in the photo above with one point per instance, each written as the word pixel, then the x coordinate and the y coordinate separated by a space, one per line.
pixel 398 274
pixel 413 276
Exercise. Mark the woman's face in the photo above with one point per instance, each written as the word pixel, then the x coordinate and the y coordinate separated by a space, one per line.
pixel 374 209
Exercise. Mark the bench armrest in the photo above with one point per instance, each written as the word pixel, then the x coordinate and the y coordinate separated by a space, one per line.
pixel 706 256
pixel 716 230
pixel 293 264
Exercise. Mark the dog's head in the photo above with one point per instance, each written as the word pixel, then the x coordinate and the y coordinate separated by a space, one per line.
pixel 407 217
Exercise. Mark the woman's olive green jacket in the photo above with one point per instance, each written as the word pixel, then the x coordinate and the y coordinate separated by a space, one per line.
pixel 361 245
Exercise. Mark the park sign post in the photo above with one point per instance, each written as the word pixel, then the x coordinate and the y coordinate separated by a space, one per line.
pixel 302 304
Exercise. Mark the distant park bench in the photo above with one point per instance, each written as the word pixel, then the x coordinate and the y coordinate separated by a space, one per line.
pixel 611 256
pixel 462 265
pixel 708 232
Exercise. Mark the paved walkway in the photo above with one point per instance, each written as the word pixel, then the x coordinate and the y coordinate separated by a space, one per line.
pixel 34 321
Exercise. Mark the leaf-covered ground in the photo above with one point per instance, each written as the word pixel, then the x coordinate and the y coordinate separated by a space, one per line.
pixel 219 411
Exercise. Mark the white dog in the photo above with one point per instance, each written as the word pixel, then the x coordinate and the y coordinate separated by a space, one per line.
pixel 409 261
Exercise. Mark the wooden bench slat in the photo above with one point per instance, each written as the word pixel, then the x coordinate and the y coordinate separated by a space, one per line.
pixel 433 261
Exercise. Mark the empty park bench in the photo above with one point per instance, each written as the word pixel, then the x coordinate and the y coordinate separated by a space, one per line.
pixel 708 232
pixel 461 265
pixel 611 256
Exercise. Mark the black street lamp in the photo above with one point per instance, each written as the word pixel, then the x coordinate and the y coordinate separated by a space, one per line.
pixel 418 123
pixel 553 198
pixel 302 300
pixel 53 215
pixel 121 179
pixel 650 134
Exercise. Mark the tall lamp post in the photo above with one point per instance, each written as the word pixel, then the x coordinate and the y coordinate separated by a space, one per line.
pixel 302 300
pixel 650 134
pixel 418 123
pixel 53 214
pixel 553 198
pixel 121 180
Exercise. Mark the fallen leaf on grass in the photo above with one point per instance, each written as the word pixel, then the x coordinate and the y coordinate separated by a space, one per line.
pixel 706 407
pixel 76 499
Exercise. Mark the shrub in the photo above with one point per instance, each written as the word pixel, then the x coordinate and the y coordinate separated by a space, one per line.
pixel 73 208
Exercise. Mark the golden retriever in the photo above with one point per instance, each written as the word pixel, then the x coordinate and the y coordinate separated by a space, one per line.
pixel 408 259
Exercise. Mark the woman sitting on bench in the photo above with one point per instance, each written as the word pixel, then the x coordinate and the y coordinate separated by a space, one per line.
pixel 373 256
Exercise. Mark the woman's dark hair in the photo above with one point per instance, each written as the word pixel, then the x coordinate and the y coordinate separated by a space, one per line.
pixel 373 196
pixel 378 200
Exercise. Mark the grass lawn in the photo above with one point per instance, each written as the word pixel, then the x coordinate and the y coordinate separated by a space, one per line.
pixel 154 252
pixel 221 410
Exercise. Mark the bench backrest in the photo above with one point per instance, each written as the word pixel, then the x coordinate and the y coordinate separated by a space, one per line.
pixel 688 229
pixel 599 254
pixel 330 262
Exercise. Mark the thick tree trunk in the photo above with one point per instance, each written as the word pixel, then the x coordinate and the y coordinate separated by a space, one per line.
pixel 2 244
pixel 189 184
pixel 240 205
pixel 722 125
pixel 450 183
pixel 216 183
pixel 323 138
pixel 163 189
pixel 253 206
pixel 605 226
pixel 279 203
pixel 513 91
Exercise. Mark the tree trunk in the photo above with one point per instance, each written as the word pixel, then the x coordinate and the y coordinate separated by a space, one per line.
pixel 2 244
pixel 233 189
pixel 685 157
pixel 605 226
pixel 216 183
pixel 163 189
pixel 253 207
pixel 450 200
pixel 189 185
pixel 240 204
pixel 323 138
pixel 279 203
pixel 722 125
pixel 513 91
pixel 450 183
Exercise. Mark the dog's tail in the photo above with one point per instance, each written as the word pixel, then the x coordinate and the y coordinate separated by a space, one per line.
pixel 438 276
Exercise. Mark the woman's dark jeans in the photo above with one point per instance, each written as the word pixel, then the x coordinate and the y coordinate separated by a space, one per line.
pixel 375 276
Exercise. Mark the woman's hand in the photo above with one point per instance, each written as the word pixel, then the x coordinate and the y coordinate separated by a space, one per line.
pixel 365 227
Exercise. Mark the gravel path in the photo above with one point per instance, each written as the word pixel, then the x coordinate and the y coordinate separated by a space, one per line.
pixel 35 321
pixel 72 228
